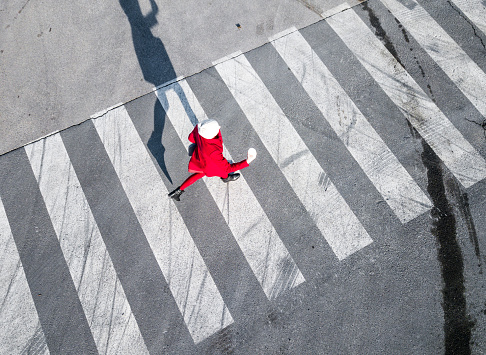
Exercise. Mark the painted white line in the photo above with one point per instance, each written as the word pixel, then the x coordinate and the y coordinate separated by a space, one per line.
pixel 332 215
pixel 475 10
pixel 390 178
pixel 107 310
pixel 266 254
pixel 447 142
pixel 193 288
pixel 461 69
pixel 21 331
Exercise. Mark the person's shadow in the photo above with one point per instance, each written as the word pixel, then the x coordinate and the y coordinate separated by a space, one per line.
pixel 157 69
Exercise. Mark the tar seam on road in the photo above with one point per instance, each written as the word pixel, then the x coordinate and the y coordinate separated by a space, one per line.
pixel 457 326
pixel 380 32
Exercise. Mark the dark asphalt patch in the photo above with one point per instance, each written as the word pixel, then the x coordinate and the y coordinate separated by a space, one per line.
pixel 380 32
pixel 457 326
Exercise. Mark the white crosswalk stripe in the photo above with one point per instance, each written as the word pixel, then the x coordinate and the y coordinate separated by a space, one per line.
pixel 338 224
pixel 192 286
pixel 269 259
pixel 111 321
pixel 21 332
pixel 447 142
pixel 391 179
pixel 475 10
pixel 461 69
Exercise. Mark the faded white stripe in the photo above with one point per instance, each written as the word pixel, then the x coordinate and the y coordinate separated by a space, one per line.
pixel 266 254
pixel 447 142
pixel 390 178
pixel 475 10
pixel 461 69
pixel 193 288
pixel 21 332
pixel 332 215
pixel 105 305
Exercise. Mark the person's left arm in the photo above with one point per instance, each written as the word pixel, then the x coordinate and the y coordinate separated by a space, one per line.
pixel 217 157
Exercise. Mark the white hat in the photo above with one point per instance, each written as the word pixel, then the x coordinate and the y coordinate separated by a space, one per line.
pixel 208 129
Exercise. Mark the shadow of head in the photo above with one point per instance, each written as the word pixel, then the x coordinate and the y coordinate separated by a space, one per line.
pixel 151 54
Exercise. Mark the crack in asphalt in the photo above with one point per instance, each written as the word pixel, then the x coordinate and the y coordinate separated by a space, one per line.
pixel 468 21
pixel 482 125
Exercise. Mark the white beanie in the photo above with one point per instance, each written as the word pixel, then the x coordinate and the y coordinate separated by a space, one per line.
pixel 208 129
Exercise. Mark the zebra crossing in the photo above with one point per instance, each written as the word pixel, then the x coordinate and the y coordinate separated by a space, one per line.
pixel 183 267
pixel 266 254
pixel 448 143
pixel 294 159
pixel 391 179
pixel 136 271
pixel 104 303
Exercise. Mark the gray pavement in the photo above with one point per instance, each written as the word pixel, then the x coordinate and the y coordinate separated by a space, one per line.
pixel 61 63
pixel 100 188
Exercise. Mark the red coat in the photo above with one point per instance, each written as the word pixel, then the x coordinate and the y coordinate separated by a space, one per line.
pixel 208 156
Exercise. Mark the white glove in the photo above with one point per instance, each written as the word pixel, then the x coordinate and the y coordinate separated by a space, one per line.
pixel 251 155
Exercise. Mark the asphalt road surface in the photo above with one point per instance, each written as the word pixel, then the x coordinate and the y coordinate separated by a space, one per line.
pixel 62 62
pixel 360 228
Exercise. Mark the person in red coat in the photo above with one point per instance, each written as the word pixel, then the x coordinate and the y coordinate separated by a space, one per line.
pixel 207 158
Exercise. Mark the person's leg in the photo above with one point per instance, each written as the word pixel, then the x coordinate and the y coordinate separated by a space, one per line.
pixel 176 194
pixel 191 180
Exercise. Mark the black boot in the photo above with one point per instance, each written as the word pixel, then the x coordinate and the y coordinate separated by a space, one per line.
pixel 176 194
pixel 231 177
